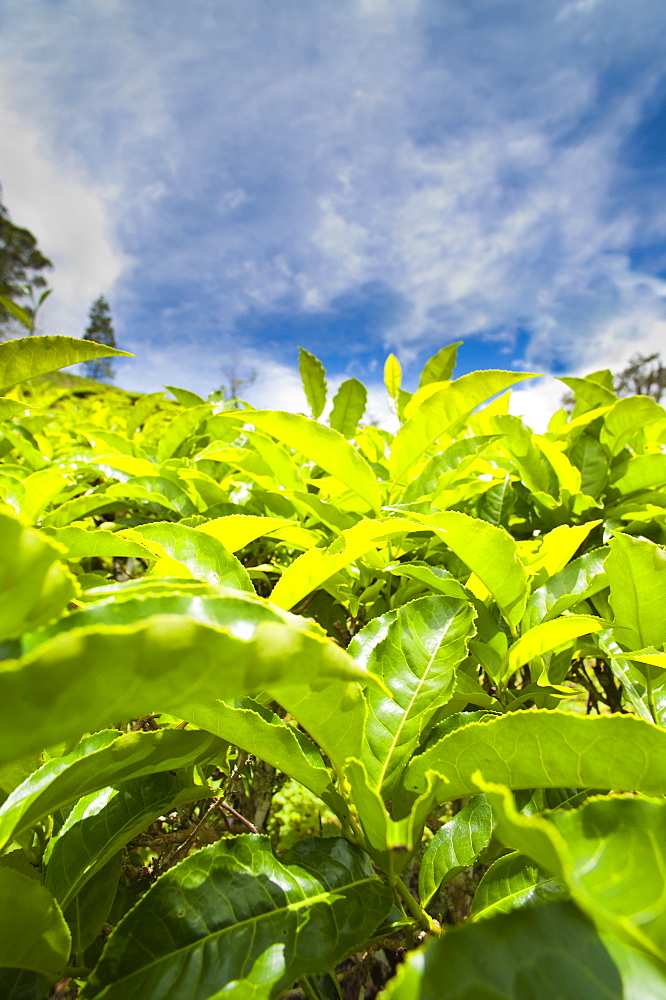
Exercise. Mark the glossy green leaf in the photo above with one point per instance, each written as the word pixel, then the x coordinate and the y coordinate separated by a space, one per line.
pixel 348 407
pixel 579 580
pixel 324 446
pixel 439 368
pixel 441 412
pixel 33 932
pixel 434 578
pixel 642 472
pixel 391 843
pixel 548 636
pixel 316 566
pixel 185 550
pixel 234 912
pixel 154 490
pixel 490 552
pixel 313 376
pixel 166 663
pixel 416 658
pixel 34 585
pixel 266 736
pixel 626 418
pixel 88 911
pixel 610 854
pixel 180 428
pixel 636 571
pixel 82 543
pixel 11 408
pixel 334 715
pixel 73 510
pixel 235 531
pixel 589 393
pixel 392 376
pixel 558 547
pixel 28 357
pixel 589 457
pixel 102 823
pixel 544 749
pixel 185 397
pixel 99 760
pixel 456 845
pixel 511 882
pixel 546 953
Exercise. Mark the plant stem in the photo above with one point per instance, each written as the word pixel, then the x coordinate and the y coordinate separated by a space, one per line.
pixel 424 920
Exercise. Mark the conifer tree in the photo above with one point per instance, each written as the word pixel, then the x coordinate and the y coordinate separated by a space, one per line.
pixel 100 329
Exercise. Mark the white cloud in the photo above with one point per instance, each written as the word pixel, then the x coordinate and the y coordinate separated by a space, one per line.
pixel 69 217
pixel 468 156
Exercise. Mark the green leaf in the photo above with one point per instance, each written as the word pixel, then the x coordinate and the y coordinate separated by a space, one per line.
pixel 268 737
pixel 590 458
pixel 316 566
pixel 609 853
pixel 73 510
pixel 333 715
pixel 185 397
pixel 636 571
pixel 324 446
pixel 11 408
pixel 435 578
pixel 558 546
pixel 543 749
pixel 33 932
pixel 200 554
pixel 165 663
pixel 440 366
pixel 82 543
pixel 511 882
pixel 547 636
pixel 441 412
pixel 153 490
pixel 34 586
pixel 22 315
pixel 235 531
pixel 180 428
pixel 579 580
pixel 348 407
pixel 313 376
pixel 28 357
pixel 589 393
pixel 490 552
pixel 550 952
pixel 392 376
pixel 102 823
pixel 457 844
pixel 642 472
pixel 626 418
pixel 97 761
pixel 232 912
pixel 391 843
pixel 88 911
pixel 417 656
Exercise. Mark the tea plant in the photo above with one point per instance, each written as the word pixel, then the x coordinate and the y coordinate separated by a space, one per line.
pixel 451 637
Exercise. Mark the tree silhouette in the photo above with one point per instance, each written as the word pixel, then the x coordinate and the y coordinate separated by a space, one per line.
pixel 100 330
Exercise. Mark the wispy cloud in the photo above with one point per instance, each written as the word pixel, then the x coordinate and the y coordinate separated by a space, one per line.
pixel 230 161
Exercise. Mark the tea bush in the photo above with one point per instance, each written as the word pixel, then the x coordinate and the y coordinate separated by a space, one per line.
pixel 451 637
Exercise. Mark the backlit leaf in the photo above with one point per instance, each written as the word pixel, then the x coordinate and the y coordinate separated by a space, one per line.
pixel 28 357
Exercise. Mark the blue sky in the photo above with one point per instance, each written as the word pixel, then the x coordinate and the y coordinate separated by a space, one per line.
pixel 356 176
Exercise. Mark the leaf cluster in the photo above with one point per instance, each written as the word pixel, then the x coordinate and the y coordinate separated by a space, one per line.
pixel 282 699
